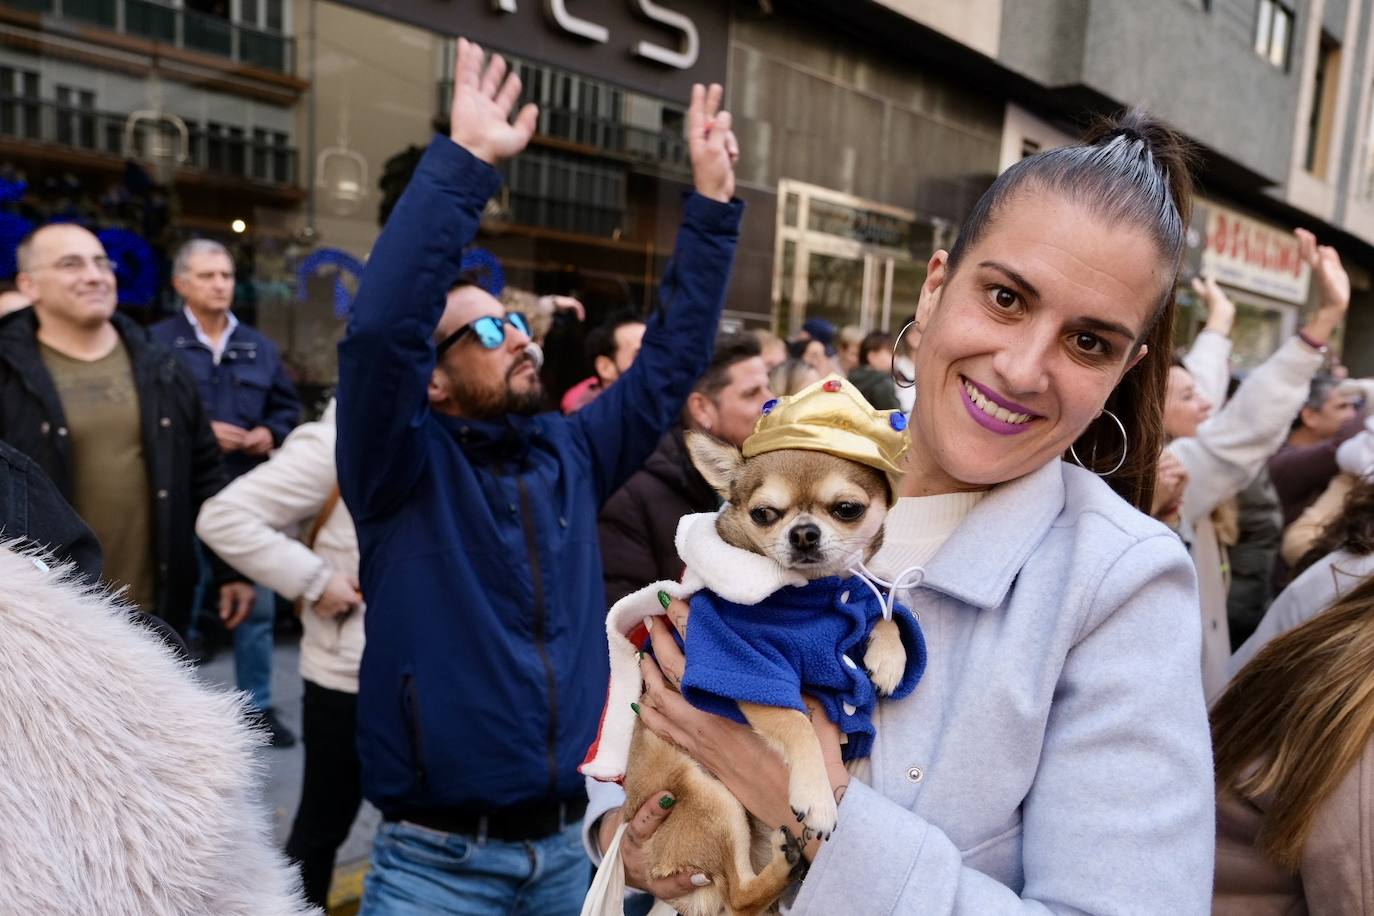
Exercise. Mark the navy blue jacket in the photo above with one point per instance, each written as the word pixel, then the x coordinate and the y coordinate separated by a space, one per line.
pixel 486 662
pixel 248 388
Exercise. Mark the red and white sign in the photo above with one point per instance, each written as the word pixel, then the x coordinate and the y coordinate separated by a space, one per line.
pixel 1248 254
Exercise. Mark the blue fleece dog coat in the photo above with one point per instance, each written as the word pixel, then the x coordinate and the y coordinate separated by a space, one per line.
pixel 799 640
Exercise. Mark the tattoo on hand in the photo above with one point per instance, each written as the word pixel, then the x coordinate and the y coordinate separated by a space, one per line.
pixel 839 792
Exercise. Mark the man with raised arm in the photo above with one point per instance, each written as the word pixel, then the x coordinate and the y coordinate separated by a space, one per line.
pixel 485 668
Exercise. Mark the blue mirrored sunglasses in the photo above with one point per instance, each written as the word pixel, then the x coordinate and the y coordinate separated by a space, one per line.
pixel 490 331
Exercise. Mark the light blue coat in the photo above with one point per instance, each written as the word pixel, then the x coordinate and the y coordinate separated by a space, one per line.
pixel 1056 756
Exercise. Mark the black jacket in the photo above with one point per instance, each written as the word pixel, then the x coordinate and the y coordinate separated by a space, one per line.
pixel 638 525
pixel 184 463
pixel 33 512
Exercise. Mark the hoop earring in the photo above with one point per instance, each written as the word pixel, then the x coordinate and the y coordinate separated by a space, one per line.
pixel 1125 444
pixel 901 381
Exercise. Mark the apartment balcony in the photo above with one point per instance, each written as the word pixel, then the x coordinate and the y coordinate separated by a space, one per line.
pixel 174 26
pixel 44 133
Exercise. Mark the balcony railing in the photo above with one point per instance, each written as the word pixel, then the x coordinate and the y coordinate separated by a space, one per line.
pixel 175 26
pixel 663 147
pixel 36 120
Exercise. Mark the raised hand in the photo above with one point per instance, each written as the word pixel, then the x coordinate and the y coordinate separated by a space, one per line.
pixel 712 144
pixel 1332 281
pixel 482 101
pixel 1221 311
pixel 1331 277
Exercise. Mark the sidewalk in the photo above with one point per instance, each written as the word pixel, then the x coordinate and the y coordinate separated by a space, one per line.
pixel 283 771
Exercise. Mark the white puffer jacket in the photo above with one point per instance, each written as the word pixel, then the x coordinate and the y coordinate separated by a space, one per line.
pixel 244 525
pixel 127 786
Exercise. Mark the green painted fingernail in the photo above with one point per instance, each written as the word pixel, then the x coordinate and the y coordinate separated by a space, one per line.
pixel 635 707
pixel 667 802
pixel 664 600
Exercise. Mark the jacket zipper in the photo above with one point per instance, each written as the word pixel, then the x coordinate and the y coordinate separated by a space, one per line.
pixel 540 628
pixel 417 747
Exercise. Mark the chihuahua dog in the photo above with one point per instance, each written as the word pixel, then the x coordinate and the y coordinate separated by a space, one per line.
pixel 817 515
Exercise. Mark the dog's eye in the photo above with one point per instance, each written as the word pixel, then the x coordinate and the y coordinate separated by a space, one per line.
pixel 848 512
pixel 764 515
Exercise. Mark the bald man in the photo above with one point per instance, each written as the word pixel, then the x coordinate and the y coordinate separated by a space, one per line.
pixel 112 419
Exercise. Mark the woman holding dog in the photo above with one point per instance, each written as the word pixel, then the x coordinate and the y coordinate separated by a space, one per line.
pixel 1056 756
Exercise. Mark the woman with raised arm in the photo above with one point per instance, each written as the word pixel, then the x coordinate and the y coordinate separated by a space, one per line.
pixel 1056 756
pixel 1223 453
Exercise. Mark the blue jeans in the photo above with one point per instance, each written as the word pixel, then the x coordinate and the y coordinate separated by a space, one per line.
pixel 252 638
pixel 418 871
pixel 253 649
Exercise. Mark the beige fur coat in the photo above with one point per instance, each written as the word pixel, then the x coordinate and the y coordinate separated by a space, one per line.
pixel 127 786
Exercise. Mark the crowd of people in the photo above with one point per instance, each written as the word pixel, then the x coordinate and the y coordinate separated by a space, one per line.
pixel 1145 584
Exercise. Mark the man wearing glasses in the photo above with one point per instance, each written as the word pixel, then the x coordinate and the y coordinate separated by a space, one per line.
pixel 486 666
pixel 112 418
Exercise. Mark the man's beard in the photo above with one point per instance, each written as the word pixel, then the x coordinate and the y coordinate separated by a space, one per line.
pixel 485 401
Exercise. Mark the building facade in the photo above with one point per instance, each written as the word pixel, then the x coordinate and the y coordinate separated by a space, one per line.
pixel 868 130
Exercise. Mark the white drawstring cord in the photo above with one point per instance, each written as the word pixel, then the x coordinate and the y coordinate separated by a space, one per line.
pixel 869 578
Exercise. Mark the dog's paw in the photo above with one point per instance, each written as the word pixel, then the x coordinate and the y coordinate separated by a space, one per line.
pixel 885 657
pixel 814 807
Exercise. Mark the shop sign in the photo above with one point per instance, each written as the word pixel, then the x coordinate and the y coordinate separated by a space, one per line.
pixel 1255 256
pixel 659 47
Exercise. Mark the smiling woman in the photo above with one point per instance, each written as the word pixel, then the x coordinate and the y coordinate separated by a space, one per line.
pixel 1057 754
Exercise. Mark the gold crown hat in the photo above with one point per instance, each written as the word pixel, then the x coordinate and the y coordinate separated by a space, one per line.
pixel 831 416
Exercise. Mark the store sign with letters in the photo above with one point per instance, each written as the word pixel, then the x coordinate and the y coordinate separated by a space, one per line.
pixel 1248 254
pixel 659 47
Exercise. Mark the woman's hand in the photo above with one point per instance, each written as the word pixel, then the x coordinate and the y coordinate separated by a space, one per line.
pixel 646 820
pixel 1171 479
pixel 1332 281
pixel 734 753
pixel 340 596
pixel 1221 311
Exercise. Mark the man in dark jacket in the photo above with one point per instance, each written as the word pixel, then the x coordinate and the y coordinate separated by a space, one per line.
pixel 112 419
pixel 638 526
pixel 486 664
pixel 252 406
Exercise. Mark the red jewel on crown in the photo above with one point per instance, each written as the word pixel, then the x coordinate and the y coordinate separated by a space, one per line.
pixel 831 385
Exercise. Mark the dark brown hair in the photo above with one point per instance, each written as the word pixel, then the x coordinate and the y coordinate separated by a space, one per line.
pixel 730 348
pixel 1131 170
pixel 1352 529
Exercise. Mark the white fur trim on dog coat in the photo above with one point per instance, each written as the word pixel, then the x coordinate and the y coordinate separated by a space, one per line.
pixel 734 574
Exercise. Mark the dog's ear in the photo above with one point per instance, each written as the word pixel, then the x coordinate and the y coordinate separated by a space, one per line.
pixel 717 460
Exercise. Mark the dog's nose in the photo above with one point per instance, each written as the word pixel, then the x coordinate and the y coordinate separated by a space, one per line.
pixel 805 537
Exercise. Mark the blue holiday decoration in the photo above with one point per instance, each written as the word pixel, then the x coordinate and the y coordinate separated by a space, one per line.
pixel 13 228
pixel 343 262
pixel 12 190
pixel 487 267
pixel 137 275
